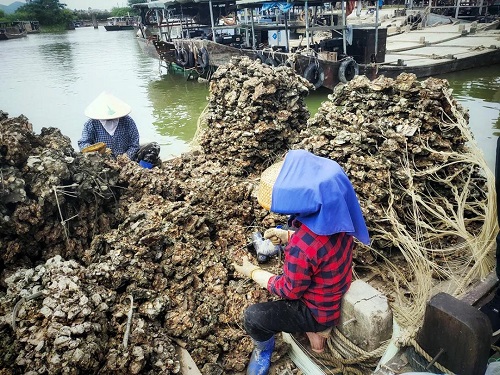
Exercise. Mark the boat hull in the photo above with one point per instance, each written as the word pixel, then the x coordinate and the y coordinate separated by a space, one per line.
pixel 220 54
pixel 489 57
pixel 148 47
pixel 118 27
pixel 7 35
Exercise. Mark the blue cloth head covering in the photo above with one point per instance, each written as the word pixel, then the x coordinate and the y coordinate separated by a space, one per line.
pixel 319 193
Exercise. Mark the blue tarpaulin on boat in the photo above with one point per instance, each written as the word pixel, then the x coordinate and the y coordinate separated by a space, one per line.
pixel 284 7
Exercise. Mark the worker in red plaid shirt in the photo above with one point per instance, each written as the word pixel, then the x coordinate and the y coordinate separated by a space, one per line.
pixel 325 219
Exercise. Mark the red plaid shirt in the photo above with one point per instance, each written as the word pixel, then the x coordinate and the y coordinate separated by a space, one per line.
pixel 317 270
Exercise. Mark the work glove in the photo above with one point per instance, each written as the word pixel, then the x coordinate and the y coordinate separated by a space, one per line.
pixel 277 236
pixel 254 272
pixel 246 268
pixel 96 147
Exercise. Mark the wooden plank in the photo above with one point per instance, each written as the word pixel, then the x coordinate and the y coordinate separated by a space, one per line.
pixel 481 289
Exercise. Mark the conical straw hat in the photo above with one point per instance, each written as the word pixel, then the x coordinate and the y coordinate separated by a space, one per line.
pixel 267 181
pixel 107 107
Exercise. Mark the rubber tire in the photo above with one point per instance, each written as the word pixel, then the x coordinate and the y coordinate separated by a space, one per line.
pixel 348 69
pixel 259 56
pixel 185 58
pixel 271 62
pixel 314 74
pixel 289 64
pixel 203 59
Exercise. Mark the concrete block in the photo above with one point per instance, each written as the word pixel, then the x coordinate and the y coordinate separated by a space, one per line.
pixel 366 318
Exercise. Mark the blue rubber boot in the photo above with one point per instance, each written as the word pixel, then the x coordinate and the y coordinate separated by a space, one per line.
pixel 260 361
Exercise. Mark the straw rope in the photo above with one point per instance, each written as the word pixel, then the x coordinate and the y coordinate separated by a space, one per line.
pixel 343 354
pixel 408 339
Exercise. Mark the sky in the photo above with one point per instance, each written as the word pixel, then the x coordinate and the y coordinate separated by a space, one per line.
pixel 83 4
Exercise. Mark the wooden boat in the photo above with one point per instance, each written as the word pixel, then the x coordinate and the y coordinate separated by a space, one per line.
pixel 120 23
pixel 32 27
pixel 12 30
pixel 199 41
pixel 440 49
pixel 319 42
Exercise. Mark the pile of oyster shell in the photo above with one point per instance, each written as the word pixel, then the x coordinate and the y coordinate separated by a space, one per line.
pixel 108 267
pixel 255 112
pixel 400 142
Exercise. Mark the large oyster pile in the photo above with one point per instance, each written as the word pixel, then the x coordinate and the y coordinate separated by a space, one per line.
pixel 403 143
pixel 108 267
pixel 111 232
pixel 265 110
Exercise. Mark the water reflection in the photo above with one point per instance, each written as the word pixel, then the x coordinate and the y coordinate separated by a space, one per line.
pixel 51 78
pixel 177 104
pixel 478 90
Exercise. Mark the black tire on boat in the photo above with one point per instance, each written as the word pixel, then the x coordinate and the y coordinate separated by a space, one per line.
pixel 259 56
pixel 348 69
pixel 203 59
pixel 185 58
pixel 270 61
pixel 315 74
pixel 289 63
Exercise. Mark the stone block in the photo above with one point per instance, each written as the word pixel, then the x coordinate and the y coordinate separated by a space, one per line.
pixel 366 318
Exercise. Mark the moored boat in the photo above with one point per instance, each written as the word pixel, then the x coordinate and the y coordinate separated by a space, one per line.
pixel 446 47
pixel 319 42
pixel 120 23
pixel 12 30
pixel 208 33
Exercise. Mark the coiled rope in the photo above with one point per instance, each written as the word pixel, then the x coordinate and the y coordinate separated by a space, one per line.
pixel 343 354
pixel 408 339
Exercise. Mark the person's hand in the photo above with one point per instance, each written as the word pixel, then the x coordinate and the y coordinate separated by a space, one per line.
pixel 277 236
pixel 246 268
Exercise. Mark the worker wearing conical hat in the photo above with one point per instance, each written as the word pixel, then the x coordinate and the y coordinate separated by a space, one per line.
pixel 326 217
pixel 110 124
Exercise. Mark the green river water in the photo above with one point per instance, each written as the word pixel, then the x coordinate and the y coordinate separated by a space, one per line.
pixel 51 78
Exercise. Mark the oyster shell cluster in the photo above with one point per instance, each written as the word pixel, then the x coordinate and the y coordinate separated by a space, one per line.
pixel 165 237
pixel 403 141
pixel 107 266
pixel 255 112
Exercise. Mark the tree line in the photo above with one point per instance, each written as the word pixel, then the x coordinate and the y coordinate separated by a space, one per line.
pixel 52 13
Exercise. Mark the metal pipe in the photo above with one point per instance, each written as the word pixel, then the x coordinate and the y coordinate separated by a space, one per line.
pixel 376 29
pixel 457 8
pixel 306 16
pixel 212 20
pixel 286 35
pixel 247 37
pixel 344 21
pixel 253 29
